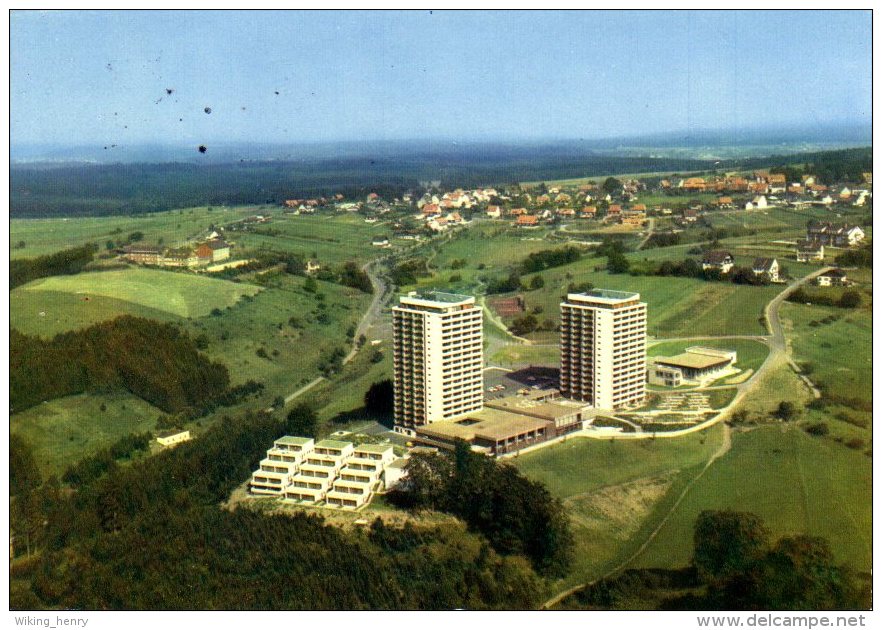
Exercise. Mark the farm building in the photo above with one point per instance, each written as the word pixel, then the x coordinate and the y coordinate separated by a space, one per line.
pixel 808 251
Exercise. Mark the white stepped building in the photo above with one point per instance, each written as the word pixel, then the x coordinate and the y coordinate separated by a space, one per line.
pixel 280 465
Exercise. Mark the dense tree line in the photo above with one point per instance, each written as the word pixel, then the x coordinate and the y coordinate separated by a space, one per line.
pixel 407 272
pixel 66 262
pixel 830 167
pixel 152 535
pixel 353 276
pixel 849 298
pixel 736 566
pixel 518 516
pixel 547 258
pixel 104 460
pixel 860 257
pixel 154 361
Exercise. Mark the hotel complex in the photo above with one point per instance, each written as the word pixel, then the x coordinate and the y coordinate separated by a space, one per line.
pixel 603 348
pixel 438 357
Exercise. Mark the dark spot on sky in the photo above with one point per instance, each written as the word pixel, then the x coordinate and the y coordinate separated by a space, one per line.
pixel 105 148
pixel 125 126
pixel 243 108
pixel 202 148
pixel 109 67
pixel 277 92
pixel 207 110
pixel 115 114
pixel 169 91
pixel 180 120
pixel 157 101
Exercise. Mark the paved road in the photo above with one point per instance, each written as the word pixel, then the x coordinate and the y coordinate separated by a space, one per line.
pixel 373 311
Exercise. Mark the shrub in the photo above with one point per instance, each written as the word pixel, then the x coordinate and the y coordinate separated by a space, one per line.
pixel 819 429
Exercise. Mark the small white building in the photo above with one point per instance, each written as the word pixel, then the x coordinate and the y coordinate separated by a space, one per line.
pixel 173 437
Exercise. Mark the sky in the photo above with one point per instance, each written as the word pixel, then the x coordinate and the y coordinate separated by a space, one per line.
pixel 101 77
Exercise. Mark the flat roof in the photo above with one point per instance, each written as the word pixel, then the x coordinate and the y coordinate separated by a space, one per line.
pixel 170 433
pixel 541 409
pixel 432 299
pixel 603 296
pixel 332 444
pixel 492 424
pixel 295 441
pixel 440 296
pixel 693 361
pixel 373 448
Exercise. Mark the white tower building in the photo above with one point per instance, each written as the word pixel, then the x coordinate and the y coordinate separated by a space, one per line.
pixel 438 357
pixel 603 348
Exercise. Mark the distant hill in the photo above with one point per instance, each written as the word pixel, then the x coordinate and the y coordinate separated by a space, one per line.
pixel 131 188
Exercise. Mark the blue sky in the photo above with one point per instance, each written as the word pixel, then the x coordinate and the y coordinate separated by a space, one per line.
pixel 95 77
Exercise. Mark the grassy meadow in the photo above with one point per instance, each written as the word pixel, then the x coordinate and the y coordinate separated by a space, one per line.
pixel 795 482
pixel 64 430
pixel 179 294
pixel 46 236
pixel 615 489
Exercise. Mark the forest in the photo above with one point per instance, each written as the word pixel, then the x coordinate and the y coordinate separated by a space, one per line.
pixel 154 535
pixel 154 361
pixel 515 514
pixel 120 189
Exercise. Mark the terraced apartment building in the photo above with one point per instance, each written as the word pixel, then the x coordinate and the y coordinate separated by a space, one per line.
pixel 603 348
pixel 437 357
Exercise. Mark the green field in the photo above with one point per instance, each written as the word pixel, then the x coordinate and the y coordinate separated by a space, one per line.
pixel 751 354
pixel 330 238
pixel 65 430
pixel 613 489
pixel 46 236
pixel 47 313
pixel 796 483
pixel 518 355
pixel 179 294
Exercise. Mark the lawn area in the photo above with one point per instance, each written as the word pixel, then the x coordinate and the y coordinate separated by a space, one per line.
pixel 614 489
pixel 64 430
pixel 518 355
pixel 796 483
pixel 751 354
pixel 180 294
pixel 46 236
pixel 64 311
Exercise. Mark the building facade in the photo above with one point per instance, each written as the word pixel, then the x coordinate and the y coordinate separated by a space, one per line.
pixel 603 348
pixel 438 357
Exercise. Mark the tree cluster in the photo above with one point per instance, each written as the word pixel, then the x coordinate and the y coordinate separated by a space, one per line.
pixel 517 515
pixel 736 566
pixel 547 258
pixel 65 262
pixel 154 361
